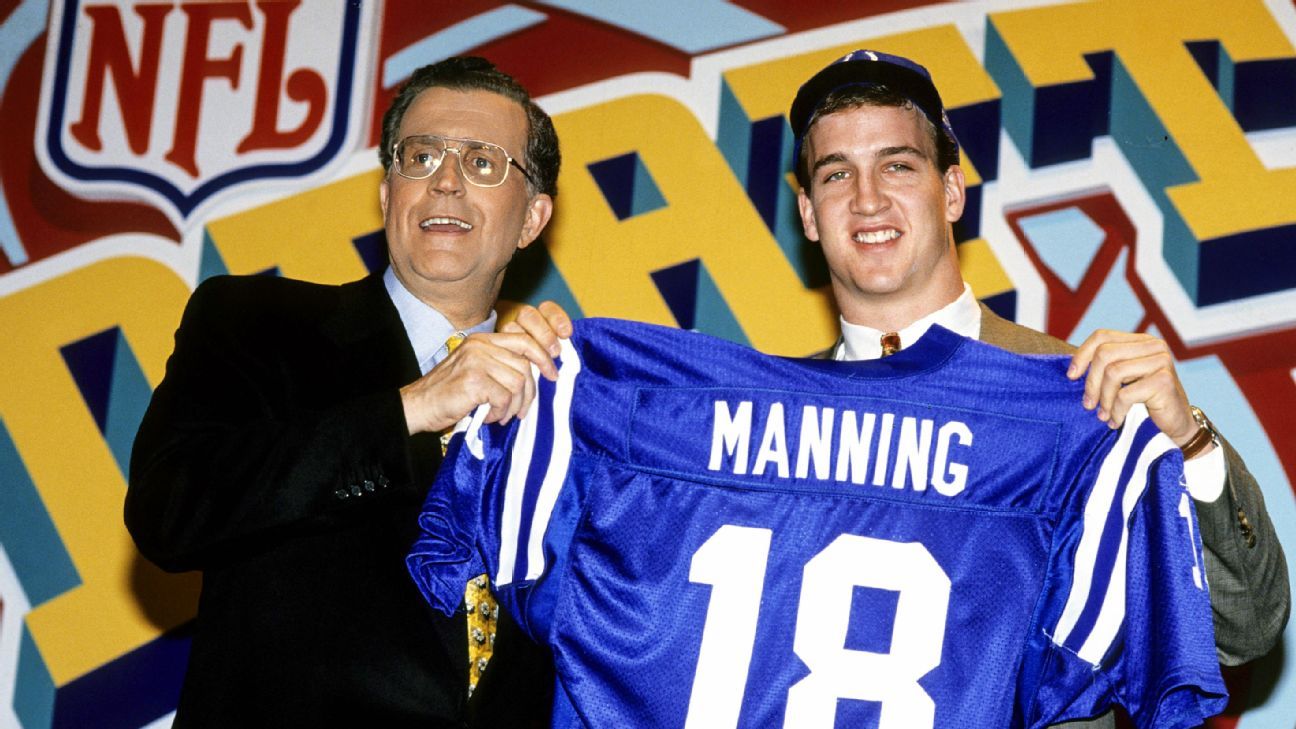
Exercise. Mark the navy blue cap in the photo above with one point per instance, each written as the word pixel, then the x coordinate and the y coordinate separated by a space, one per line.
pixel 869 68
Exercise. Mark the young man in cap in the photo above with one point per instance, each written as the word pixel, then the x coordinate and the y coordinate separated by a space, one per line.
pixel 881 186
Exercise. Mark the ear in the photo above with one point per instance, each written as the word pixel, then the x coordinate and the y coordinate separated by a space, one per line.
pixel 539 210
pixel 808 223
pixel 382 197
pixel 955 193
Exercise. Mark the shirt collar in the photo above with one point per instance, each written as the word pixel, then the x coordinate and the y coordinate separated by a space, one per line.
pixel 426 327
pixel 961 316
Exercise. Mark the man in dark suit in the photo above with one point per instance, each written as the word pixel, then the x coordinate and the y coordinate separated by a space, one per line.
pixel 881 186
pixel 288 449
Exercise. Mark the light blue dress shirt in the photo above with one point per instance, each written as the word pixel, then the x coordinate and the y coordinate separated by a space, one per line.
pixel 426 327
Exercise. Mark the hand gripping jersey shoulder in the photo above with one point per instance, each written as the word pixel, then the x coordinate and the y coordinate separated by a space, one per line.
pixel 711 537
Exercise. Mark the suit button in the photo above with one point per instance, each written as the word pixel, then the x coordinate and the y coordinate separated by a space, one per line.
pixel 384 482
pixel 1248 533
pixel 341 493
pixel 368 485
pixel 355 489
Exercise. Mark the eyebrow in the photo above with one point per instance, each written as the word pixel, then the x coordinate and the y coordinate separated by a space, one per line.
pixel 837 157
pixel 828 159
pixel 902 149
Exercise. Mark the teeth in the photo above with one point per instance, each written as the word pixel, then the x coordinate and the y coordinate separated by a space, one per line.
pixel 877 236
pixel 445 221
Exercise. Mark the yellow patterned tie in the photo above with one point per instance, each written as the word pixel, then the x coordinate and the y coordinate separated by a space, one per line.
pixel 452 343
pixel 478 602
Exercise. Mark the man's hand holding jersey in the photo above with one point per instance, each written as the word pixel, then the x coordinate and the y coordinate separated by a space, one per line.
pixel 1128 368
pixel 493 369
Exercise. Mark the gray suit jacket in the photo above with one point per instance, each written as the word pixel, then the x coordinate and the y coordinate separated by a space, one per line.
pixel 1245 566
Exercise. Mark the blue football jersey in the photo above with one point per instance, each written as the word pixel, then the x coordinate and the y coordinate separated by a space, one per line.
pixel 708 537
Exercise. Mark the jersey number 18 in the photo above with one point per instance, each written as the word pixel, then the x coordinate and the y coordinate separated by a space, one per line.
pixel 733 561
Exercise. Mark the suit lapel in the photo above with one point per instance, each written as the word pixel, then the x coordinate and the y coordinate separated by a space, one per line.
pixel 370 336
pixel 1017 338
pixel 993 328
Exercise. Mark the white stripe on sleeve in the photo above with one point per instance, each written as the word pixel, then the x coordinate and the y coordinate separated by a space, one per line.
pixel 559 458
pixel 1099 502
pixel 1112 613
pixel 515 490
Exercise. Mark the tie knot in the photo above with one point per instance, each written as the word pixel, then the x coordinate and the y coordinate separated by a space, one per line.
pixel 890 343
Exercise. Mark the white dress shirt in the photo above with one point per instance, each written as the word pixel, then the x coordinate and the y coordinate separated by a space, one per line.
pixel 1205 474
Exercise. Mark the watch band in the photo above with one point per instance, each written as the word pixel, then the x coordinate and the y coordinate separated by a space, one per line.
pixel 1204 437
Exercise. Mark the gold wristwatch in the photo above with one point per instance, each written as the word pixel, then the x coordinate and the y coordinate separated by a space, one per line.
pixel 1205 436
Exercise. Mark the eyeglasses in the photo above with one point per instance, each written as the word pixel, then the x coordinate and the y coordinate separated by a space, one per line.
pixel 481 163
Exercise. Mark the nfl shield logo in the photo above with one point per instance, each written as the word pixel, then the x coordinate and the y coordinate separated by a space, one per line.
pixel 181 103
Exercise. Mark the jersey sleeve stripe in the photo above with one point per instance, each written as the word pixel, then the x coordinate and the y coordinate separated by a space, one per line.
pixel 1094 614
pixel 541 461
pixel 514 491
pixel 1107 567
pixel 1097 507
pixel 1111 614
pixel 559 458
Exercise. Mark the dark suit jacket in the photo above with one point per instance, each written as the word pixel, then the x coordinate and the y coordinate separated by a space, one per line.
pixel 1250 594
pixel 275 458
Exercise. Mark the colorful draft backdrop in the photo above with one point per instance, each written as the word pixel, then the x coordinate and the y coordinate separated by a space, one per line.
pixel 1130 165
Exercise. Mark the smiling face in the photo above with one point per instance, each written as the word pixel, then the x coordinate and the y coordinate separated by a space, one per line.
pixel 449 241
pixel 882 212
